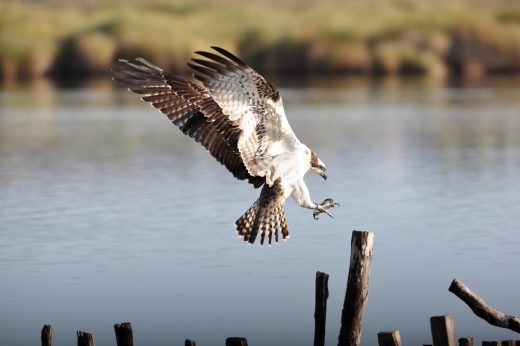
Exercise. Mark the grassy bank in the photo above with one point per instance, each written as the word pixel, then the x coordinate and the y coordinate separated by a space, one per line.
pixel 286 37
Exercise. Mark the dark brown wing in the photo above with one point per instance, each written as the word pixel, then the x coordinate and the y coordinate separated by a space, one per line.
pixel 191 108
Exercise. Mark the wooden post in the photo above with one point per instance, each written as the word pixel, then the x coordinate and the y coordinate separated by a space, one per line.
pixel 320 308
pixel 483 309
pixel 236 341
pixel 85 339
pixel 466 341
pixel 392 338
pixel 124 334
pixel 189 343
pixel 47 335
pixel 443 330
pixel 362 244
pixel 507 343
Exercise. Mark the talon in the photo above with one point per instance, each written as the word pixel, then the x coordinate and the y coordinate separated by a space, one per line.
pixel 324 207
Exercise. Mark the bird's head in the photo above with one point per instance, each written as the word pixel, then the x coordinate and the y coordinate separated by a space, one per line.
pixel 317 166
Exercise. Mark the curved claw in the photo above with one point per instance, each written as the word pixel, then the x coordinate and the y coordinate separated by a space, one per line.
pixel 324 207
pixel 320 210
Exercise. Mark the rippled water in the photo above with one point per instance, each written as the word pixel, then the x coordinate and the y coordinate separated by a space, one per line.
pixel 108 214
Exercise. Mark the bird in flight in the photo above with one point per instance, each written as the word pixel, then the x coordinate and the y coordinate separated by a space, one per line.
pixel 238 116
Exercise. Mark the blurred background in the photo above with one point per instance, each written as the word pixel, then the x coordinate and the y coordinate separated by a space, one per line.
pixel 109 214
pixel 79 39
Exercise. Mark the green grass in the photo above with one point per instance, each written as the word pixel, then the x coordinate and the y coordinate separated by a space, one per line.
pixel 286 37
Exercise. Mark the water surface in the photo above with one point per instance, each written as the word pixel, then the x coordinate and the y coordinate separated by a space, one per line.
pixel 108 214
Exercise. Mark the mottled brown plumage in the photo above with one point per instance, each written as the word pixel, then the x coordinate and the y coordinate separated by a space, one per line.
pixel 266 216
pixel 191 108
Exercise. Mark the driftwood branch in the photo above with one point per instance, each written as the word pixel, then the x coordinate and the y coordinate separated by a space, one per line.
pixel 483 309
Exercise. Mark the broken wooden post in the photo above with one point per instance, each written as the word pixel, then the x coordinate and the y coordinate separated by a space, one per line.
pixel 124 334
pixel 507 343
pixel 443 330
pixel 391 338
pixel 357 288
pixel 320 308
pixel 189 343
pixel 483 309
pixel 236 341
pixel 466 341
pixel 85 339
pixel 46 335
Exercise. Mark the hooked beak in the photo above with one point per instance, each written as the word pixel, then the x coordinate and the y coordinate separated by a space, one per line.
pixel 324 176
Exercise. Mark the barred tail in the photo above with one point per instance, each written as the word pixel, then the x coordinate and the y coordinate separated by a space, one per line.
pixel 266 216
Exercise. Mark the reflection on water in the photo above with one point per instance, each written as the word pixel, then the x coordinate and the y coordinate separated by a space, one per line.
pixel 108 214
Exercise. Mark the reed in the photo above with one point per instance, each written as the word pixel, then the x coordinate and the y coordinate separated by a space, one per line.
pixel 397 36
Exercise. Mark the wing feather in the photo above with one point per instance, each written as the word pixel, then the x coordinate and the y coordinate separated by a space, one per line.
pixel 248 100
pixel 191 108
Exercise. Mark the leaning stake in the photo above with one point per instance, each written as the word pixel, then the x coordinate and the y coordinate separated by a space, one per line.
pixel 357 288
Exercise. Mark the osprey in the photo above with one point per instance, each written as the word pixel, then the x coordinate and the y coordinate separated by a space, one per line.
pixel 238 116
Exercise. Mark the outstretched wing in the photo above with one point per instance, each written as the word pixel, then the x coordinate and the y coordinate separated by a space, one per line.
pixel 191 108
pixel 250 102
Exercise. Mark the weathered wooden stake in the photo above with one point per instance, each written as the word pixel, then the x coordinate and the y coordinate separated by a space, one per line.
pixel 236 341
pixel 362 244
pixel 189 343
pixel 47 335
pixel 85 339
pixel 507 343
pixel 320 308
pixel 483 309
pixel 466 341
pixel 443 330
pixel 392 338
pixel 124 334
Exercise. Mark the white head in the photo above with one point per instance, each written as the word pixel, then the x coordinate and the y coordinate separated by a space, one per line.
pixel 317 166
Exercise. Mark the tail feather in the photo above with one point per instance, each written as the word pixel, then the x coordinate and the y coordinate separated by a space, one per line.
pixel 266 216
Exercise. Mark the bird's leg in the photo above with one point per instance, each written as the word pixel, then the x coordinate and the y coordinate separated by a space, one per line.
pixel 324 207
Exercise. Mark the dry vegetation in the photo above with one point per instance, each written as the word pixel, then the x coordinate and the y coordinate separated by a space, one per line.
pixel 285 37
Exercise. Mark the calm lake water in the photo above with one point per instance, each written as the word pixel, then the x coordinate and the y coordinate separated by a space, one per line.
pixel 108 214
